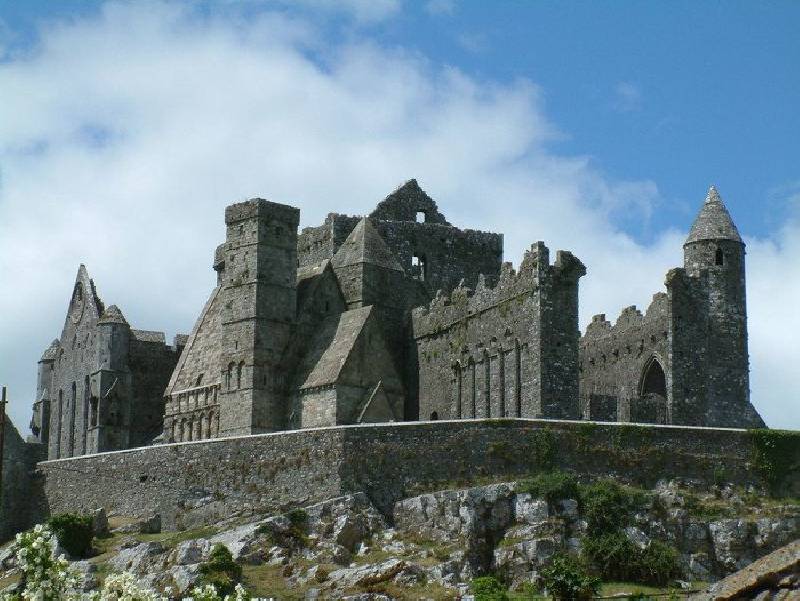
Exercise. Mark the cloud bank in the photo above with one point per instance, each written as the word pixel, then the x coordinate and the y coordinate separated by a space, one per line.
pixel 123 136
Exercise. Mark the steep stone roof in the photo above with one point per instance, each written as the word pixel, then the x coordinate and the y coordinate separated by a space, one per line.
pixel 202 352
pixel 365 245
pixel 112 315
pixel 332 346
pixel 713 222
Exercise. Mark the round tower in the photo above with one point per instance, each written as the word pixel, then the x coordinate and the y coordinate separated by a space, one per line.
pixel 714 254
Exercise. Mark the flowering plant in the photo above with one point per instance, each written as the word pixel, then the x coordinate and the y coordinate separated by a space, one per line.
pixel 45 577
pixel 209 593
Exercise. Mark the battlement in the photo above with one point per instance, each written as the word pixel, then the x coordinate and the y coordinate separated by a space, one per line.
pixel 534 272
pixel 630 318
pixel 259 207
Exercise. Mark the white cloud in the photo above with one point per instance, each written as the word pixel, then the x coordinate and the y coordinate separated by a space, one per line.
pixel 123 137
pixel 773 287
pixel 627 97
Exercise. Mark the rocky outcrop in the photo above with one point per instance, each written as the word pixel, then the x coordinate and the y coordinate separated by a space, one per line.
pixel 445 539
pixel 775 576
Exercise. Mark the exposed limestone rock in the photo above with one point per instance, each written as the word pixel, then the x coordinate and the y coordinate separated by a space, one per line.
pixel 137 559
pixel 775 576
pixel 447 538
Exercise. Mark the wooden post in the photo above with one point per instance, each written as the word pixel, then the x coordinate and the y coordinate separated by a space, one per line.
pixel 2 439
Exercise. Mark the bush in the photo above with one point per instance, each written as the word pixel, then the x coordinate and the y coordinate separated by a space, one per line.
pixel 552 486
pixel 221 571
pixel 658 564
pixel 489 588
pixel 298 518
pixel 608 506
pixel 74 533
pixel 566 578
pixel 614 557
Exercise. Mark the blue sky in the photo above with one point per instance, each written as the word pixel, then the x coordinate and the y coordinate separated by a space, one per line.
pixel 595 126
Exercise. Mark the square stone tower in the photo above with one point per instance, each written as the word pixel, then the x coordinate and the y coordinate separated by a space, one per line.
pixel 259 301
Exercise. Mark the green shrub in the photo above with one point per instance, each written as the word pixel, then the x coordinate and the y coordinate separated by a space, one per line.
pixel 567 579
pixel 298 518
pixel 74 533
pixel 552 486
pixel 608 506
pixel 221 570
pixel 658 564
pixel 489 588
pixel 615 558
pixel 611 555
pixel 776 455
pixel 544 448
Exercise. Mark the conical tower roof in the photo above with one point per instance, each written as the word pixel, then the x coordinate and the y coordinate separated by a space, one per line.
pixel 713 222
pixel 365 245
pixel 51 352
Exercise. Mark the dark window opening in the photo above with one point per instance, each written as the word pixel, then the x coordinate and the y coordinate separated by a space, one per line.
pixel 422 217
pixel 327 306
pixel 434 416
pixel 719 258
pixel 654 381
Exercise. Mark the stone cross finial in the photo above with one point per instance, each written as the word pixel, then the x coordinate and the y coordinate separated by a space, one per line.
pixel 713 195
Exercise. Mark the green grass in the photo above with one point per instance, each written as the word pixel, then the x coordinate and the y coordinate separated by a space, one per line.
pixel 611 589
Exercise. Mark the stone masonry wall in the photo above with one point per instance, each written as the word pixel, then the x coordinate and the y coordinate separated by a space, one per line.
pixel 613 360
pixel 19 509
pixel 507 351
pixel 448 253
pixel 202 482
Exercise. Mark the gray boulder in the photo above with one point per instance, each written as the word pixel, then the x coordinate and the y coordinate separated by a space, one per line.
pixel 140 559
pixel 192 551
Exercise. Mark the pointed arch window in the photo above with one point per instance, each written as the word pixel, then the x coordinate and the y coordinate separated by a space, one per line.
pixel 229 376
pixel 654 380
pixel 239 374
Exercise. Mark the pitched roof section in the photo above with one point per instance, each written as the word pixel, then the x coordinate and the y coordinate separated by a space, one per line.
pixel 331 347
pixel 713 222
pixel 202 352
pixel 365 245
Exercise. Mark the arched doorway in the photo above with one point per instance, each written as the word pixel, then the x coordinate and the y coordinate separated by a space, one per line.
pixel 651 404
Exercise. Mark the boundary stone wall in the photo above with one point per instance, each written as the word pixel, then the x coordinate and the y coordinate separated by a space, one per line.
pixel 196 483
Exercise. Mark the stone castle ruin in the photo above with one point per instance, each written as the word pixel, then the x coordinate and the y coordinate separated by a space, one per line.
pixel 398 316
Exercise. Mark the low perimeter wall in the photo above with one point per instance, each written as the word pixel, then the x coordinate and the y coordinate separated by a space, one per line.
pixel 196 483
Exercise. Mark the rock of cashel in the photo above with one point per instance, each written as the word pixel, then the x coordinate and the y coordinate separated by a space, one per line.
pixel 398 316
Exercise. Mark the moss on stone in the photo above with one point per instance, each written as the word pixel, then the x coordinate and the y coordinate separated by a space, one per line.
pixel 776 456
